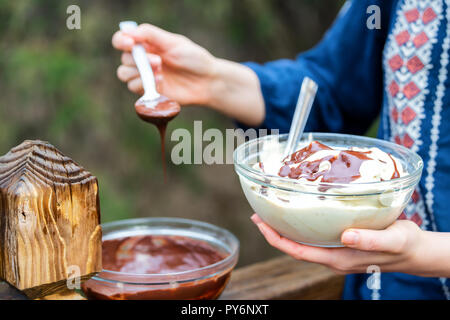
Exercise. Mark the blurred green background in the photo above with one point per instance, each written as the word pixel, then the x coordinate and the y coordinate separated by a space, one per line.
pixel 60 85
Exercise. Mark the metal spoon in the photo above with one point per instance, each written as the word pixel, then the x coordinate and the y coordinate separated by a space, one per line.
pixel 151 95
pixel 304 103
pixel 152 107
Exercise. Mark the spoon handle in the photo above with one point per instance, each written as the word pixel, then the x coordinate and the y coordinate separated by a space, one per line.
pixel 304 103
pixel 142 63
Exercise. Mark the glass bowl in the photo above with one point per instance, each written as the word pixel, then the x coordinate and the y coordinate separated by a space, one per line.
pixel 202 283
pixel 317 214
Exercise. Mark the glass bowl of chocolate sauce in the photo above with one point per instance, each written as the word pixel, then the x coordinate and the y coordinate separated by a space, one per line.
pixel 163 259
pixel 316 212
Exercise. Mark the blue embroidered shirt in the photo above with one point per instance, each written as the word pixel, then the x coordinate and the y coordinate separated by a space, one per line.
pixel 399 71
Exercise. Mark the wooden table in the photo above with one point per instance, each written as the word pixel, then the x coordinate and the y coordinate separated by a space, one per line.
pixel 283 278
pixel 278 278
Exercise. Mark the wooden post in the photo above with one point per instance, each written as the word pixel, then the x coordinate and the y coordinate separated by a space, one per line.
pixel 49 220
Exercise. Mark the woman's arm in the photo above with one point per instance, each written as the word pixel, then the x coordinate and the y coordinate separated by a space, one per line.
pixel 435 254
pixel 189 74
pixel 346 64
pixel 235 91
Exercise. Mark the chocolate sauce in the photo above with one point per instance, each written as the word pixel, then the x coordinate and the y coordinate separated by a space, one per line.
pixel 344 167
pixel 261 166
pixel 396 174
pixel 157 254
pixel 304 153
pixel 159 112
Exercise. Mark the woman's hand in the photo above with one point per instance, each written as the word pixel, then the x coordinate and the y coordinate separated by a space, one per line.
pixel 189 74
pixel 183 69
pixel 402 247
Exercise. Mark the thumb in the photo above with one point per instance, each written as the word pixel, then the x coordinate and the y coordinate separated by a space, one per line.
pixel 392 239
pixel 157 39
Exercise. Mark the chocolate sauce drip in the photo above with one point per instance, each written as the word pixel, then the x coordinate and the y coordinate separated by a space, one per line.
pixel 159 113
pixel 396 174
pixel 162 136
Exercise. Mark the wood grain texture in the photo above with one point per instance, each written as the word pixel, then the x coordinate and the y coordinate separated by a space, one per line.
pixel 49 219
pixel 283 278
pixel 65 294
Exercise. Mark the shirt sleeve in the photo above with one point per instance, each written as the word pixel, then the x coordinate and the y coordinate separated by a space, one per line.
pixel 346 64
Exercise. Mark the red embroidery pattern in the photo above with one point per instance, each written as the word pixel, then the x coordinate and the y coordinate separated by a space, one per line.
pixel 407 61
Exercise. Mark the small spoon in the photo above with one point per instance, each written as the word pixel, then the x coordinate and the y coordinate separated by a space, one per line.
pixel 304 103
pixel 152 106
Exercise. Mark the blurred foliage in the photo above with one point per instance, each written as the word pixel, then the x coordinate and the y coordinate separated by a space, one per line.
pixel 60 85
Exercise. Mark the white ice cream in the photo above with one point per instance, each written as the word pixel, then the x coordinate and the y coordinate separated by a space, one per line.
pixel 318 217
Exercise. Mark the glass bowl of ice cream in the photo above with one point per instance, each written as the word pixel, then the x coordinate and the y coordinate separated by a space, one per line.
pixel 331 183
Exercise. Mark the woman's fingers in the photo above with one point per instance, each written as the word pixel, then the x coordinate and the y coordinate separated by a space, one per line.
pixel 394 239
pixel 256 219
pixel 127 73
pixel 157 39
pixel 133 78
pixel 155 60
pixel 342 260
pixel 294 249
pixel 153 39
pixel 122 41
pixel 127 59
pixel 135 86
